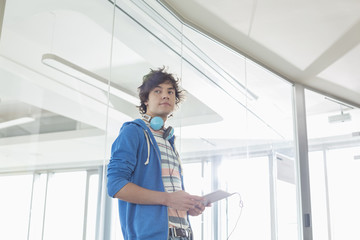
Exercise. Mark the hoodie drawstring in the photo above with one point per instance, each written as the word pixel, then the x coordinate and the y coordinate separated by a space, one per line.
pixel 148 148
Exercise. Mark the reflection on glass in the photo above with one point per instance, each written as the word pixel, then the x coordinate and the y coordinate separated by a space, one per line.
pixel 14 205
pixel 49 120
pixel 197 180
pixel 344 197
pixel 193 171
pixel 249 178
pixel 334 144
pixel 286 211
pixel 236 112
pixel 65 206
pixel 42 110
pixel 220 118
pixel 116 233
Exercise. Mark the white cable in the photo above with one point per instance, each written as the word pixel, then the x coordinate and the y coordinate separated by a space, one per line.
pixel 241 205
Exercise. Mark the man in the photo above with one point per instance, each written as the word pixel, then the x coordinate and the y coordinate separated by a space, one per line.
pixel 145 172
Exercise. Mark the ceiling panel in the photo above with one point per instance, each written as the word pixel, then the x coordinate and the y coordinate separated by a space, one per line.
pixel 301 41
pixel 346 70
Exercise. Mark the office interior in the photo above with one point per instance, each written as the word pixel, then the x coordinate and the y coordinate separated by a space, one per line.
pixel 271 112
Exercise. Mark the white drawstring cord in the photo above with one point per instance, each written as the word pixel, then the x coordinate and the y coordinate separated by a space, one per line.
pixel 148 148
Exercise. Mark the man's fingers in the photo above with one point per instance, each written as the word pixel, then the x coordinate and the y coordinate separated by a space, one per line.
pixel 184 201
pixel 197 198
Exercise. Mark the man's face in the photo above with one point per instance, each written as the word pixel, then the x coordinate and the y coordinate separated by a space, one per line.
pixel 161 101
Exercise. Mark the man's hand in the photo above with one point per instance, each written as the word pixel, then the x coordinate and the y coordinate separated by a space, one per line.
pixel 197 210
pixel 183 201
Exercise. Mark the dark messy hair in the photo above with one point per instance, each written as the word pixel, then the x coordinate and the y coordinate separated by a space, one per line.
pixel 155 78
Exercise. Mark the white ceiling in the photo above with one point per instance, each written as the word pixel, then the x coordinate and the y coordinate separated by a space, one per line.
pixel 315 43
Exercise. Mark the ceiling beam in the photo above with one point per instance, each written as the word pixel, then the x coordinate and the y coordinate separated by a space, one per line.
pixel 343 45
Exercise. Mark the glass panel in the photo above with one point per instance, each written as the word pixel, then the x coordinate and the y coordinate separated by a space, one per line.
pixel 67 117
pixel 14 206
pixel 197 180
pixel 343 179
pixel 54 69
pixel 254 122
pixel 38 206
pixel 334 147
pixel 46 104
pixel 250 178
pixel 92 206
pixel 116 233
pixel 286 204
pixel 65 206
pixel 193 171
pixel 234 109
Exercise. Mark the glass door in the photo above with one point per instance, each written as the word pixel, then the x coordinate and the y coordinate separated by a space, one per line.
pixel 334 149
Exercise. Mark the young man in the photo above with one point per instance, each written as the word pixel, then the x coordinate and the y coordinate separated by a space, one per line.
pixel 145 172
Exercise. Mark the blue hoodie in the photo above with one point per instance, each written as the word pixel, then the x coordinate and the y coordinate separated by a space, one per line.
pixel 130 162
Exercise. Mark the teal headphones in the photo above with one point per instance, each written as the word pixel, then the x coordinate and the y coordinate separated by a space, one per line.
pixel 156 123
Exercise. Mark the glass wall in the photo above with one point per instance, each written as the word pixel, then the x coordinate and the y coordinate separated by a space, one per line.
pixel 12 204
pixel 334 149
pixel 233 133
pixel 69 72
pixel 53 122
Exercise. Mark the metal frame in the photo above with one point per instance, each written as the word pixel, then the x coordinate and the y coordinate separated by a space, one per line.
pixel 327 194
pixel 273 205
pixel 215 163
pixel 302 164
pixel 2 10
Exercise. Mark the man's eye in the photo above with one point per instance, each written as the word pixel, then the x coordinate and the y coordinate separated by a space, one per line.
pixel 157 91
pixel 171 92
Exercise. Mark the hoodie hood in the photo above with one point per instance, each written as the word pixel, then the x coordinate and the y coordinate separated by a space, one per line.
pixel 138 122
pixel 150 140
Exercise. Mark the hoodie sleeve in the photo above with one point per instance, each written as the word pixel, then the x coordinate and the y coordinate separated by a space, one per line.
pixel 123 158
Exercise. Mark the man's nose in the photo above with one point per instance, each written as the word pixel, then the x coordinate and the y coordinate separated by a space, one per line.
pixel 165 96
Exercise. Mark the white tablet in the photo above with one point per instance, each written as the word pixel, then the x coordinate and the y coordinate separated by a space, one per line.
pixel 215 196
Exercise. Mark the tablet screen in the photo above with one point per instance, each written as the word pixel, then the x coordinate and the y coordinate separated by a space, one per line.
pixel 215 196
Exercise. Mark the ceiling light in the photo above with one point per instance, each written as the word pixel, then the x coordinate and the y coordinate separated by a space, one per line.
pixel 86 76
pixel 16 122
pixel 343 117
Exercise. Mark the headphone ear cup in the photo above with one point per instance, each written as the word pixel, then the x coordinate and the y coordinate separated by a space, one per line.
pixel 156 123
pixel 169 133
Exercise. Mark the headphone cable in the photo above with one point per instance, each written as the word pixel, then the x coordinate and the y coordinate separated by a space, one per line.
pixel 241 205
